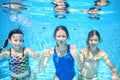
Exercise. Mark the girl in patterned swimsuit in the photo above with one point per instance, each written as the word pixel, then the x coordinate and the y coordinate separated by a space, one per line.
pixel 90 57
pixel 18 58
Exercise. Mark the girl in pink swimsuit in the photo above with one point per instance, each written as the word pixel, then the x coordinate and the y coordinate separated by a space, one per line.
pixel 90 57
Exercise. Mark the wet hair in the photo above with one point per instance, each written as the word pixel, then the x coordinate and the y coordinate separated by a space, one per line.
pixel 107 3
pixel 93 8
pixel 14 31
pixel 91 34
pixel 61 28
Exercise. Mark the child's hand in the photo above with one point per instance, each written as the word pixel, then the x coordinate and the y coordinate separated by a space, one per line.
pixel 46 52
pixel 35 55
pixel 115 74
pixel 115 77
pixel 35 74
pixel 84 71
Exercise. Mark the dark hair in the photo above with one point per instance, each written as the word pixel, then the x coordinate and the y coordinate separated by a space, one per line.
pixel 95 8
pixel 91 34
pixel 14 31
pixel 61 28
pixel 107 3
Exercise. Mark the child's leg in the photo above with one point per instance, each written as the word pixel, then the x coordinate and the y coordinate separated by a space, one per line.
pixel 13 78
pixel 35 75
pixel 26 77
pixel 55 77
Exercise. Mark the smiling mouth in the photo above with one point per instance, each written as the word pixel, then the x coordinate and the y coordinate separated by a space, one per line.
pixel 18 46
pixel 93 45
pixel 61 42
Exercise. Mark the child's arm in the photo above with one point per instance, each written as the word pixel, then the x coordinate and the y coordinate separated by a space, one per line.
pixel 75 55
pixel 44 60
pixel 82 70
pixel 114 71
pixel 32 53
pixel 2 54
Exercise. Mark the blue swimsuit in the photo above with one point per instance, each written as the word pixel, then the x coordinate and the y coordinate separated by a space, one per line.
pixel 64 65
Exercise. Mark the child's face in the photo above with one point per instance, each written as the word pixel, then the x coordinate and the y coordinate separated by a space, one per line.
pixel 16 41
pixel 93 41
pixel 61 37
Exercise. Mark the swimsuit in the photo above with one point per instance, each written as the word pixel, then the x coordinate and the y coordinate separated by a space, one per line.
pixel 88 59
pixel 80 77
pixel 19 65
pixel 64 65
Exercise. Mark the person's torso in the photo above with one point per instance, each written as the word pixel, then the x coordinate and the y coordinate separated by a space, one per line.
pixel 90 63
pixel 18 63
pixel 64 65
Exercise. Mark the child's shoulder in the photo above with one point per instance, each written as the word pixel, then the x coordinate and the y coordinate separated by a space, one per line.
pixel 6 52
pixel 102 52
pixel 84 49
pixel 26 49
pixel 74 51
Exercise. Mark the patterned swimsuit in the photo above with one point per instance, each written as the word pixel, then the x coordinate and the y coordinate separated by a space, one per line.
pixel 19 65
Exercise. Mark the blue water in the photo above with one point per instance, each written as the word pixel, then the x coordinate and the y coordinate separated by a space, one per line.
pixel 38 25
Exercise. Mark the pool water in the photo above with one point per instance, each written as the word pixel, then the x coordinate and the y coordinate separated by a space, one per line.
pixel 38 24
